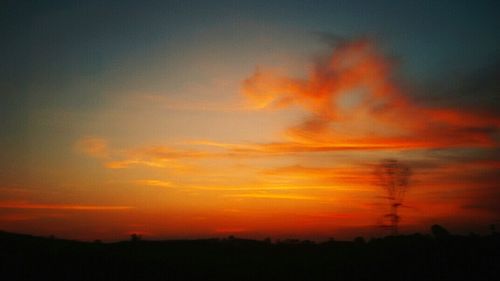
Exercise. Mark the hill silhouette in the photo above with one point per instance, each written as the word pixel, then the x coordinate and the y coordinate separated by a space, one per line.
pixel 406 257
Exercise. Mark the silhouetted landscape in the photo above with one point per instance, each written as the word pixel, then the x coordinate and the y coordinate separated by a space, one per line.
pixel 439 255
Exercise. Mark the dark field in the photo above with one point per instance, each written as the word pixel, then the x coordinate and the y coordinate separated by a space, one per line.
pixel 411 257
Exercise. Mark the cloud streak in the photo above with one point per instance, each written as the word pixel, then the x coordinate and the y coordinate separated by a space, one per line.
pixel 275 196
pixel 74 207
pixel 153 182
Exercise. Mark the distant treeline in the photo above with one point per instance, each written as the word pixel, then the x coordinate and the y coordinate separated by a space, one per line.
pixel 407 257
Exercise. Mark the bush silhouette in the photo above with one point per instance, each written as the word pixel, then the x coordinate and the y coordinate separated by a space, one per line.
pixel 135 237
pixel 439 232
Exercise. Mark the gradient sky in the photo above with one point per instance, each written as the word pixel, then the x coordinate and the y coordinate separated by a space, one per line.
pixel 184 119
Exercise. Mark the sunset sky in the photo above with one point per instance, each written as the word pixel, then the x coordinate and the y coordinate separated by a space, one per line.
pixel 189 119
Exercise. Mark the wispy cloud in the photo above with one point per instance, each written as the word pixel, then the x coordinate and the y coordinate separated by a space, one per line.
pixel 29 205
pixel 93 146
pixel 275 196
pixel 152 156
pixel 353 102
pixel 155 157
pixel 153 182
pixel 355 177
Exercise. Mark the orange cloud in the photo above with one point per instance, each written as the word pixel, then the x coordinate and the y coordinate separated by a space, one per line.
pixel 28 205
pixel 152 182
pixel 156 157
pixel 153 156
pixel 300 146
pixel 275 196
pixel 353 102
pixel 356 178
pixel 173 158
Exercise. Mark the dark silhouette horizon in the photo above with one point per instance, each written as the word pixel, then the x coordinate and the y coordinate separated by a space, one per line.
pixel 437 255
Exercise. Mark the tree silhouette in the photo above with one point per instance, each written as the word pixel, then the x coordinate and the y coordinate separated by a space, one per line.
pixel 393 176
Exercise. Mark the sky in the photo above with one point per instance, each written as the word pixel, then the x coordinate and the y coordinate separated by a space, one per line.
pixel 192 119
